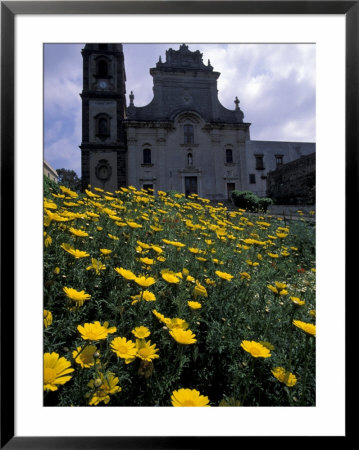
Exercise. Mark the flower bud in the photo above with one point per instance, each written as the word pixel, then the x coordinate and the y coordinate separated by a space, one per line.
pixel 98 382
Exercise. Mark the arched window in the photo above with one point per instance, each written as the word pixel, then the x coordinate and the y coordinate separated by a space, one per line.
pixel 103 127
pixel 188 134
pixel 102 68
pixel 229 155
pixel 147 156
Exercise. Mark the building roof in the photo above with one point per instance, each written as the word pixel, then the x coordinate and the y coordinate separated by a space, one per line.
pixel 184 83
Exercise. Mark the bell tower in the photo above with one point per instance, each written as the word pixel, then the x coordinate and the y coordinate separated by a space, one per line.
pixel 103 147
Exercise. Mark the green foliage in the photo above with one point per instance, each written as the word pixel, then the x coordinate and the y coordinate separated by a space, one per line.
pixel 245 200
pixel 69 179
pixel 49 187
pixel 249 201
pixel 264 203
pixel 263 247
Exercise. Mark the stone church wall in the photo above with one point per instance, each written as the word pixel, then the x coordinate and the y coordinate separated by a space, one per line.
pixel 173 160
pixel 151 146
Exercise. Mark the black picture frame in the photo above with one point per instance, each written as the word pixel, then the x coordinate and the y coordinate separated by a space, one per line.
pixel 9 9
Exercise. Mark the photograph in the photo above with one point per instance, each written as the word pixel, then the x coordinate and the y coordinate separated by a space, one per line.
pixel 177 180
pixel 179 224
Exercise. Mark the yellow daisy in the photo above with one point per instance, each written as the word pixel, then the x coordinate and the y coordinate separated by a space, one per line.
pixel 79 233
pixel 95 331
pixel 308 328
pixel 278 289
pixel 96 265
pixel 200 291
pixel 78 297
pixel 56 371
pixel 105 251
pixel 159 316
pixel 145 350
pixel 144 281
pixel 183 336
pixel 85 356
pixel 170 278
pixel 47 318
pixel 256 349
pixel 176 322
pixel 297 301
pixel 188 397
pixel 285 377
pixel 125 273
pixel 141 332
pixel 147 261
pixel 74 252
pixel 124 348
pixel 194 305
pixel 104 385
pixel 224 275
pixel 148 296
pixel 245 275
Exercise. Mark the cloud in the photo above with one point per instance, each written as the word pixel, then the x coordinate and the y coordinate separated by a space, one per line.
pixel 64 154
pixel 275 84
pixel 62 105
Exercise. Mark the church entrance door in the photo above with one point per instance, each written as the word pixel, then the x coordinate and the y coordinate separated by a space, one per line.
pixel 230 188
pixel 190 185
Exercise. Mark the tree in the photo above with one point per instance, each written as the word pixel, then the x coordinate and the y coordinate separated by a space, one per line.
pixel 69 179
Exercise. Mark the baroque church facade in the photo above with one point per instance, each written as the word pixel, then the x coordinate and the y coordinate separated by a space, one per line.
pixel 184 140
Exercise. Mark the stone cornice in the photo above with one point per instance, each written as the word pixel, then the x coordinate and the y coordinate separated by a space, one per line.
pixel 88 52
pixel 170 125
pixel 101 147
pixel 101 95
pixel 221 125
pixel 148 124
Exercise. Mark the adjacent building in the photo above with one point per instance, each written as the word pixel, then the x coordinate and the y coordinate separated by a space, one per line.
pixel 293 183
pixel 50 172
pixel 184 140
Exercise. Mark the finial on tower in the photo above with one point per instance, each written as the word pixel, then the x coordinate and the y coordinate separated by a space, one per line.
pixel 236 101
pixel 131 98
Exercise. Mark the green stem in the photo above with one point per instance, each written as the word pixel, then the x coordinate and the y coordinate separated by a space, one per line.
pixel 291 339
pixel 141 307
pixel 82 382
pixel 289 396
pixel 82 349
pixel 250 369
pixel 268 321
pixel 179 362
pixel 306 361
pixel 245 294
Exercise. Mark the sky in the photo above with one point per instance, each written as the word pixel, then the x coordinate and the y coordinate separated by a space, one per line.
pixel 275 84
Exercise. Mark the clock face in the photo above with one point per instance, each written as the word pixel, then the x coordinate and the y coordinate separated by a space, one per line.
pixel 103 84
